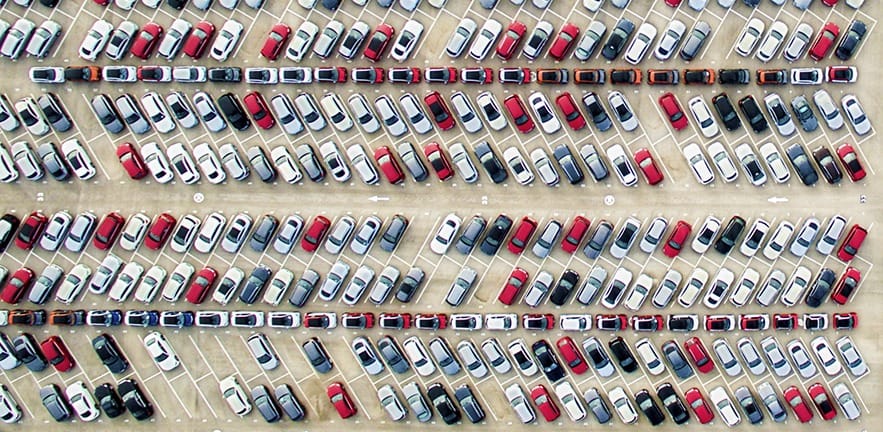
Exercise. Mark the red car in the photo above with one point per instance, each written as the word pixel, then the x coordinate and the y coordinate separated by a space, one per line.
pixel 378 42
pixel 147 38
pixel 511 38
pixel 260 112
pixel 648 166
pixel 565 39
pixel 341 400
pixel 57 354
pixel 673 110
pixel 846 286
pixel 159 232
pixel 824 41
pixel 699 405
pixel 849 159
pixel 572 114
pixel 795 399
pixel 102 2
pixel 575 234
pixel 201 285
pixel 395 321
pixel 439 161
pixel 544 402
pixel 676 239
pixel 522 235
pixel 198 39
pixel 822 400
pixel 315 233
pixel 276 39
pixel 787 321
pixel 697 352
pixel 673 3
pixel 850 246
pixel 830 3
pixel 31 229
pixel 440 112
pixel 572 355
pixel 17 285
pixel 538 321
pixel 518 111
pixel 108 230
pixel 517 280
pixel 388 165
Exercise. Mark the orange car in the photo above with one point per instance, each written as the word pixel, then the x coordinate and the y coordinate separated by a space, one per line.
pixel 772 76
pixel 625 76
pixel 553 76
pixel 61 317
pixel 82 73
pixel 698 76
pixel 662 76
pixel 589 76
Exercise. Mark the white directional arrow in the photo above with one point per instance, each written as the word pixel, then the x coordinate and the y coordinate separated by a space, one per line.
pixel 376 198
pixel 775 200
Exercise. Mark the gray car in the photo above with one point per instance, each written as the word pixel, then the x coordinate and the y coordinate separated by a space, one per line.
pixel 51 159
pixel 594 162
pixel 263 232
pixel 80 231
pixel 55 402
pixel 45 284
pixel 772 402
pixel 54 113
pixel 131 112
pixel 394 232
pixel 304 287
pixel 107 114
pixel 265 404
pixel 804 113
pixel 749 405
pixel 261 165
pixel 693 44
pixel 675 357
pixel 598 239
pixel 461 286
pixel 317 355
pixel 417 402
pixel 597 405
pixel 443 356
pixel 471 232
pixel 412 161
pixel 288 402
pixel 392 355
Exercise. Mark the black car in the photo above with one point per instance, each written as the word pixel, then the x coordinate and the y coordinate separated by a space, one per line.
pixel 675 357
pixel 109 353
pixel 177 4
pixel 726 111
pixel 443 404
pixel 827 165
pixel 135 400
pixel 623 354
pixel 568 164
pixel 565 286
pixel 547 360
pixel 8 226
pixel 469 403
pixel 394 232
pixel 851 40
pixel 673 403
pixel 729 235
pixel 733 76
pixel 471 232
pixel 225 74
pixel 109 401
pixel 618 37
pixel 288 403
pixel 623 76
pixel 265 404
pixel 317 355
pixel 262 233
pixel 392 355
pixel 801 164
pixel 596 111
pixel 821 287
pixel 752 111
pixel 55 402
pixel 749 405
pixel 410 284
pixel 233 111
pixel 649 407
pixel 255 284
pixel 490 162
pixel 28 351
pixel 496 234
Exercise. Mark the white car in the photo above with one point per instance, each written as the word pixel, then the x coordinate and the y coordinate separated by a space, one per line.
pixel 309 111
pixel 460 38
pixel 209 232
pixel 773 40
pixel 778 240
pixel 173 39
pixel 518 166
pixel 182 163
pixel 500 322
pixel 407 40
pixel 285 112
pixel 825 355
pixel 751 357
pixel 543 112
pixel 332 33
pixel 363 114
pixel 466 112
pixel 181 109
pixel 773 159
pixel 828 109
pixel 622 110
pixel 705 235
pixel 799 42
pixel 571 401
pixel 235 397
pixel 805 237
pixel 82 402
pixel 73 284
pixel 616 288
pixel 43 39
pixel 285 164
pixel 416 352
pixel 704 118
pixel 334 110
pixel 390 116
pixel 749 280
pixel 698 163
pixel 161 352
pixel 694 286
pixel 590 40
pixel 640 43
pixel 622 164
pixel 719 287
pixel 16 38
pixel 648 354
pixel 78 159
pixel 301 40
pixel 31 116
pixel 177 282
pixel 519 352
pixel 228 285
pixel 779 114
pixel 209 163
pixel 157 112
pixel 845 398
pixel 445 234
pixel 724 406
pixel 340 171
pixel 831 235
pixel 666 289
pixel 490 110
pixel 793 292
pixel 592 5
pixel 856 114
pixel 9 122
pixel 653 235
pixel 622 405
pixel 486 39
pixel 209 113
pixel 639 293
pixel 718 154
pixel 517 400
pixel 800 356
pixel 226 40
pixel 150 284
pixel 671 38
pixel 414 112
pixel 134 231
pixel 125 282
pixel 26 161
pixel 536 41
pixel 95 40
pixel 851 357
pixel 750 165
pixel 752 241
pixel 55 231
pixel 544 167
pixel 362 164
pixel 157 163
pixel 183 235
pixel 463 163
pixel 750 35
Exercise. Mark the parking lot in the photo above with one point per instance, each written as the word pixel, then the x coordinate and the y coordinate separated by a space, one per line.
pixel 189 396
